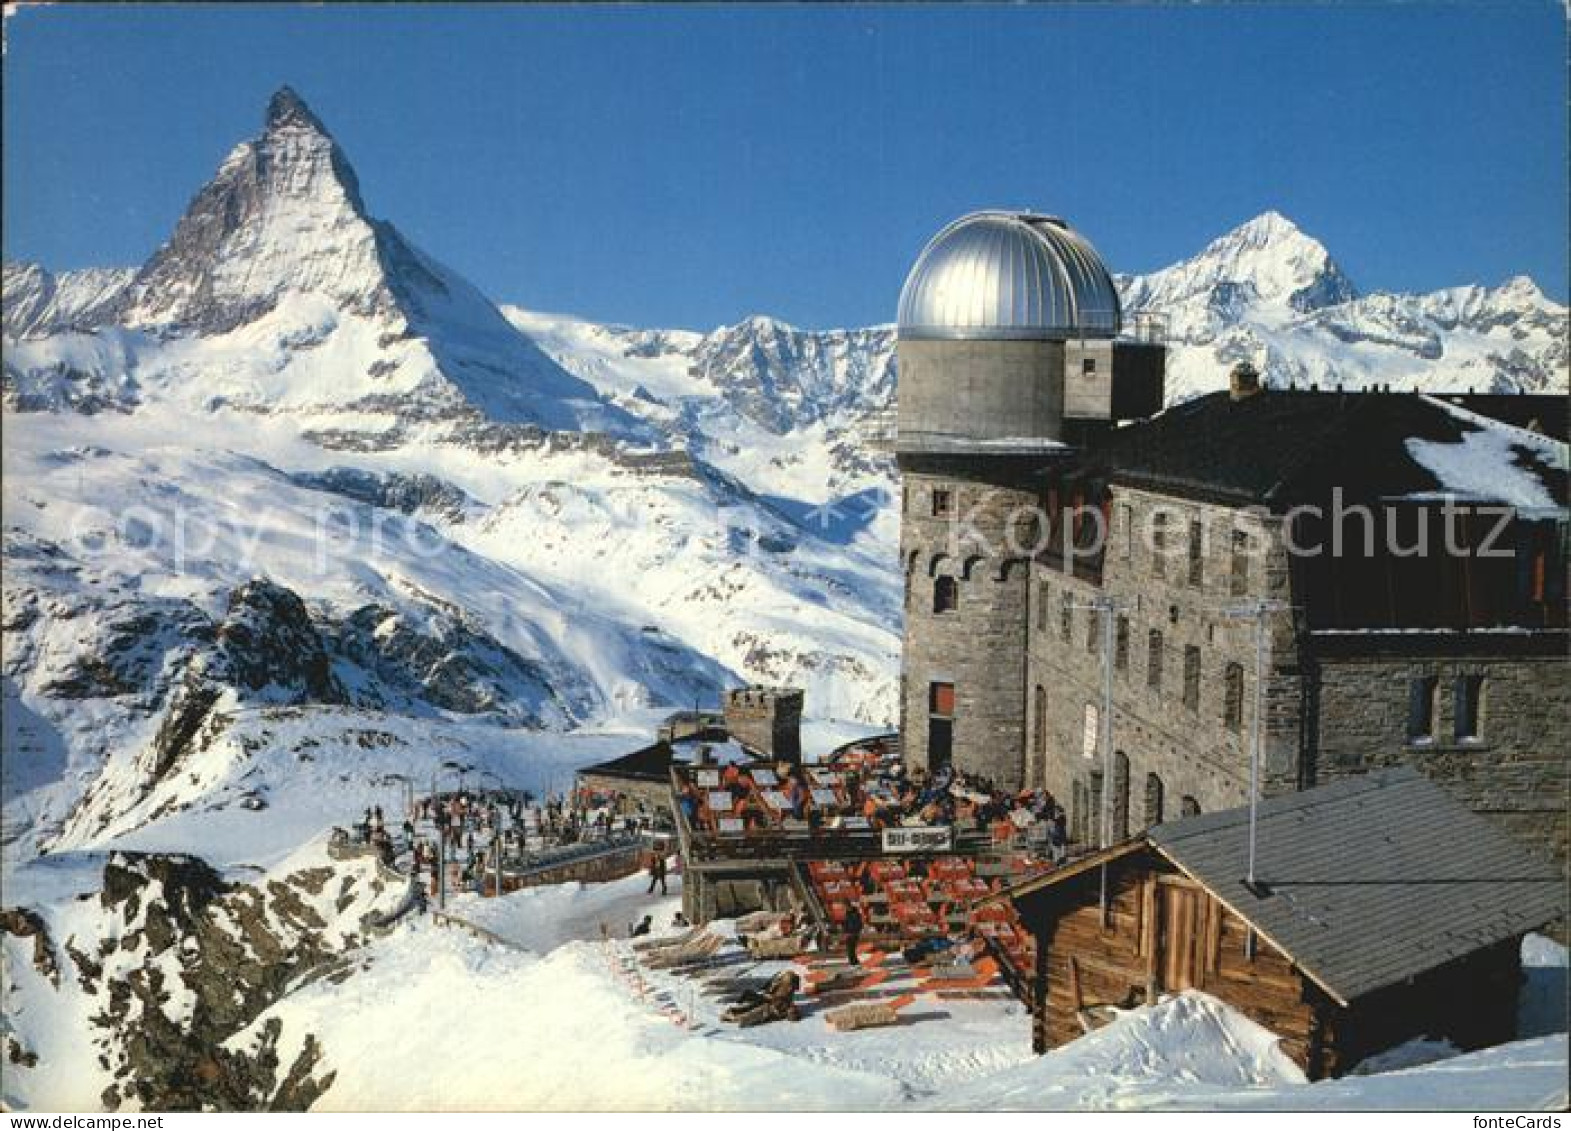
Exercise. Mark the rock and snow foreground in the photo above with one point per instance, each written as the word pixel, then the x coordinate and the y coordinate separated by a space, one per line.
pixel 174 987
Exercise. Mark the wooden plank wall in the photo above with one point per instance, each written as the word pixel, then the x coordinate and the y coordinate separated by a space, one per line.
pixel 1120 959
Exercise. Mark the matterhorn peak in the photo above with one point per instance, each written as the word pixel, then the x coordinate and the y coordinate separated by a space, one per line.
pixel 286 108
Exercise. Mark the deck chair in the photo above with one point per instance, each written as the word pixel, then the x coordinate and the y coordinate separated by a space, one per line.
pixel 687 936
pixel 787 946
pixel 867 1015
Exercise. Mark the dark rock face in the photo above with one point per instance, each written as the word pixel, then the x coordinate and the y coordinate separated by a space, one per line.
pixel 392 490
pixel 24 923
pixel 241 948
pixel 271 645
pixel 439 660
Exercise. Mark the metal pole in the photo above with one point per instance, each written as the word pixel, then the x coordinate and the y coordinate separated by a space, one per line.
pixel 1254 736
pixel 441 869
pixel 1105 611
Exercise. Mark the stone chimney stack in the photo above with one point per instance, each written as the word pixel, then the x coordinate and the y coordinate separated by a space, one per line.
pixel 1243 381
pixel 766 720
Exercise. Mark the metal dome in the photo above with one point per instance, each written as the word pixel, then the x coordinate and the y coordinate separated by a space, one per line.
pixel 1009 275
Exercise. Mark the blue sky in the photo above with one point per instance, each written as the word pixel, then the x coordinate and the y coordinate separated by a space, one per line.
pixel 689 166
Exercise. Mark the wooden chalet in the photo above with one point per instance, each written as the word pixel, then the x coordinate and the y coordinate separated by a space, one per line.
pixel 1383 910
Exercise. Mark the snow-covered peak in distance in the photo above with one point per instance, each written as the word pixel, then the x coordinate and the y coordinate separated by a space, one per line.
pixel 278 290
pixel 1267 266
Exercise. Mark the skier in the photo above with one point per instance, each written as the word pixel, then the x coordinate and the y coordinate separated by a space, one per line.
pixel 657 873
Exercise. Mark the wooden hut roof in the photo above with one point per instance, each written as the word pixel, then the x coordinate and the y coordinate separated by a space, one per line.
pixel 1366 882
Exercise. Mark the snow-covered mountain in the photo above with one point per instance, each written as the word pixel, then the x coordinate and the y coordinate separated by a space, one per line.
pixel 1269 293
pixel 292 463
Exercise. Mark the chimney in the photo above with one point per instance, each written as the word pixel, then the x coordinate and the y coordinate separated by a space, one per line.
pixel 1243 381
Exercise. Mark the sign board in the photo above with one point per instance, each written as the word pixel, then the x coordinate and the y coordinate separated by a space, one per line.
pixel 938 838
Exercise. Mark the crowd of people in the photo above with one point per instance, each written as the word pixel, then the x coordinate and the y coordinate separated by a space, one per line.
pixel 887 795
pixel 465 829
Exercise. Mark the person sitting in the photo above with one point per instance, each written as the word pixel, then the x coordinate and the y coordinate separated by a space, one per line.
pixel 643 927
pixel 776 1003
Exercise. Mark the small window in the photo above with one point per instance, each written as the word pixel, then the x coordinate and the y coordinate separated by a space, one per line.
pixel 946 594
pixel 1159 543
pixel 1189 807
pixel 941 699
pixel 943 502
pixel 1039 739
pixel 1066 614
pixel 1238 579
pixel 1044 596
pixel 1233 697
pixel 1192 677
pixel 1093 630
pixel 1468 689
pixel 1196 559
pixel 1088 366
pixel 1129 531
pixel 1421 709
pixel 1153 815
pixel 1154 660
pixel 1121 645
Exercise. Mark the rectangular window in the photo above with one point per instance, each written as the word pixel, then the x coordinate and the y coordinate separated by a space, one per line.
pixel 1159 543
pixel 943 503
pixel 1129 531
pixel 1044 595
pixel 1421 709
pixel 1469 688
pixel 946 595
pixel 1154 660
pixel 1233 698
pixel 1238 579
pixel 1192 677
pixel 1196 560
pixel 1066 614
pixel 1088 366
pixel 1093 630
pixel 1121 645
pixel 941 699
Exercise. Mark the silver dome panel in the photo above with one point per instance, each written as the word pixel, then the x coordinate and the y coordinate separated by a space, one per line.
pixel 1009 276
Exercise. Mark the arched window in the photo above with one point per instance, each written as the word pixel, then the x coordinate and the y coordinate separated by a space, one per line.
pixel 1120 795
pixel 1153 814
pixel 1189 807
pixel 946 594
pixel 1192 677
pixel 1233 697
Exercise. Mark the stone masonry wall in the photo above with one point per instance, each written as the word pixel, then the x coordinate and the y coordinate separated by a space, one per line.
pixel 979 646
pixel 1514 771
pixel 1188 747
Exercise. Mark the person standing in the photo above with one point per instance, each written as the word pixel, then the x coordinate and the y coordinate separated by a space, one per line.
pixel 853 932
pixel 657 872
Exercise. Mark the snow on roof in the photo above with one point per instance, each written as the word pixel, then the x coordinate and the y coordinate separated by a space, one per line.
pixel 1485 463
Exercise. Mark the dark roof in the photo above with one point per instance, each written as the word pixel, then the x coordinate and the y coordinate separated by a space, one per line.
pixel 1280 447
pixel 652 763
pixel 1539 412
pixel 1371 880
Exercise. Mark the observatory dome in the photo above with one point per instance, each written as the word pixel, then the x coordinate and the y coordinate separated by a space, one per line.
pixel 1009 276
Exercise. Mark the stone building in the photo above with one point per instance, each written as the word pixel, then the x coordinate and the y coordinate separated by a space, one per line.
pixel 1193 533
pixel 766 720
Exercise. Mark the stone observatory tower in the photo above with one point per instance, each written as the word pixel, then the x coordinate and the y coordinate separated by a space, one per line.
pixel 1011 365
